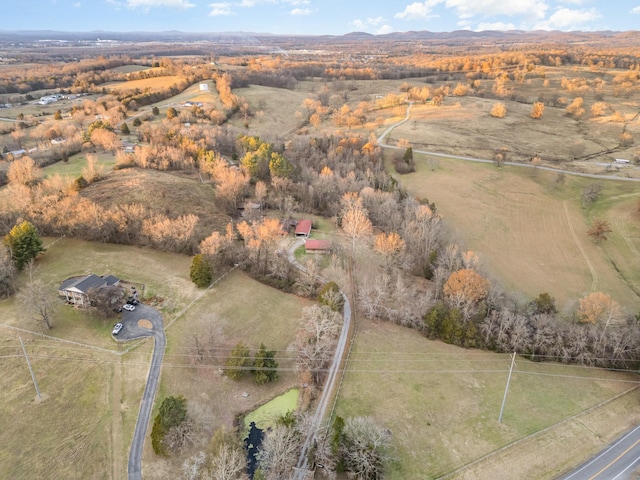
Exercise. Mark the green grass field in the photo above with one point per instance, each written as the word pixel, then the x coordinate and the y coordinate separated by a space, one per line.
pixel 84 425
pixel 73 168
pixel 236 309
pixel 441 403
pixel 530 232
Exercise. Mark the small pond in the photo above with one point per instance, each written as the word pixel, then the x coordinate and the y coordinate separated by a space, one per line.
pixel 261 419
pixel 266 415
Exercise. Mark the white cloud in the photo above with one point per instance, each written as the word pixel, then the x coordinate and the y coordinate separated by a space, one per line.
pixel 567 19
pixel 495 26
pixel 220 9
pixel 418 10
pixel 375 21
pixel 374 25
pixel 253 3
pixel 159 3
pixel 301 11
pixel 385 29
pixel 635 9
pixel 358 24
pixel 77 4
pixel 487 8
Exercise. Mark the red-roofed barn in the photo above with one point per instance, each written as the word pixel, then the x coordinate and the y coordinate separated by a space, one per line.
pixel 317 246
pixel 303 228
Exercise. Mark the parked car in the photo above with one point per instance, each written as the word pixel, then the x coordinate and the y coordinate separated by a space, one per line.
pixel 116 328
pixel 128 307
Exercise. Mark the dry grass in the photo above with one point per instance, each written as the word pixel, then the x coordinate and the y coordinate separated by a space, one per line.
pixel 441 403
pixel 154 83
pixel 84 425
pixel 129 69
pixel 529 233
pixel 236 309
pixel 162 193
pixel 278 105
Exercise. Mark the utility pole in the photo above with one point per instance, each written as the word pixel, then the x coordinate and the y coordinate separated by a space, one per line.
pixel 506 390
pixel 33 377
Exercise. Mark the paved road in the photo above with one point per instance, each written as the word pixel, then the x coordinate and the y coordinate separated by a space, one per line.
pixel 382 137
pixel 131 331
pixel 332 375
pixel 621 458
pixel 618 461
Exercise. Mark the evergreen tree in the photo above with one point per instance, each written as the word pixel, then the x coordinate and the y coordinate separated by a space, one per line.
pixel 124 129
pixel 24 243
pixel 155 111
pixel 137 122
pixel 173 411
pixel 237 363
pixel 265 366
pixel 279 166
pixel 201 271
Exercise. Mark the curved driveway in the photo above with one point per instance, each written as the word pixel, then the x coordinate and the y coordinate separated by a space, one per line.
pixel 132 330
pixel 332 374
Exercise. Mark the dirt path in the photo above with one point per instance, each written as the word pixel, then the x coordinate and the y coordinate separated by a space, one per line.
pixel 117 450
pixel 594 274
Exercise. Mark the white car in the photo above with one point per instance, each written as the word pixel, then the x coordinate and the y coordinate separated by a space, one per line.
pixel 116 329
pixel 128 307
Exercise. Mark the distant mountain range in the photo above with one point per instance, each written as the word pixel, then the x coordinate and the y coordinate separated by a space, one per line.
pixel 630 38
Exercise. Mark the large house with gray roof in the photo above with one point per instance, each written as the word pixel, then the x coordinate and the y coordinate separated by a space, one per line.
pixel 76 289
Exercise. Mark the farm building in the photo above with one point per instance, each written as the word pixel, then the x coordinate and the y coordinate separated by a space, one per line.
pixel 76 289
pixel 317 246
pixel 303 228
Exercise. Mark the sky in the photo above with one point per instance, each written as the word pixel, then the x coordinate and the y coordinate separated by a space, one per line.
pixel 319 17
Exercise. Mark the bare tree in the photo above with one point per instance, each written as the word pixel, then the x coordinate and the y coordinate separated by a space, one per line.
pixel 591 193
pixel 228 463
pixel 104 300
pixel 38 300
pixel 316 339
pixel 23 171
pixel 365 448
pixel 279 452
pixel 92 172
pixel 7 273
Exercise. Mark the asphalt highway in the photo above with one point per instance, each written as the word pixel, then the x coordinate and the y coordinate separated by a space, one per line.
pixel 619 461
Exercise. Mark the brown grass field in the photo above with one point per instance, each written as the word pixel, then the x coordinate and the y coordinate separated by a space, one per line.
pixel 84 425
pixel 237 309
pixel 441 404
pixel 163 193
pixel 154 83
pixel 529 232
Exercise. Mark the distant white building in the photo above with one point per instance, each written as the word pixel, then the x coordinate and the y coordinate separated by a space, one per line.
pixel 204 87
pixel 622 160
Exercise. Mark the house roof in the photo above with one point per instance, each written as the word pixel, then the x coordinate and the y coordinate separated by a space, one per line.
pixel 84 284
pixel 303 227
pixel 313 244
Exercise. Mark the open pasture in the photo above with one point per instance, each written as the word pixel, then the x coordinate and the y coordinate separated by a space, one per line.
pixel 76 163
pixel 153 83
pixel 84 424
pixel 529 231
pixel 441 404
pixel 234 310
